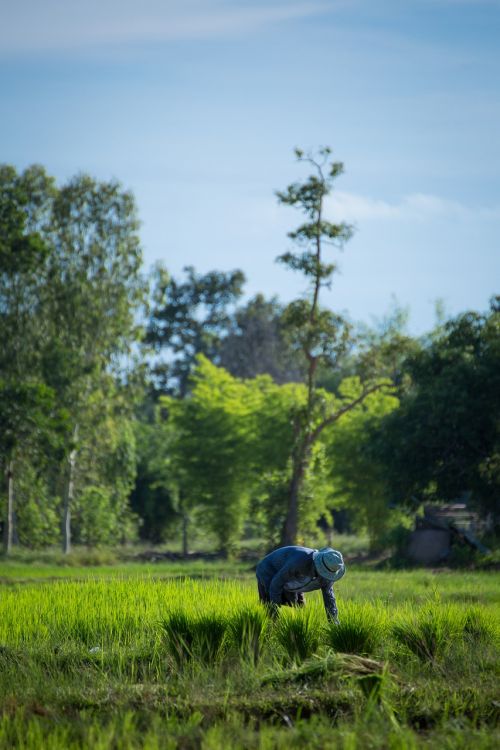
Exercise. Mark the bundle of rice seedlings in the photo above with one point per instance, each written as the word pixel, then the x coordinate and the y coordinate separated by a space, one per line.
pixel 247 629
pixel 298 633
pixel 179 634
pixel 430 634
pixel 359 632
pixel 209 632
pixel 320 666
pixel 476 628
pixel 192 637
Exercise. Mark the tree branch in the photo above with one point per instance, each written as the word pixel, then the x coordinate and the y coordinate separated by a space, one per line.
pixel 334 417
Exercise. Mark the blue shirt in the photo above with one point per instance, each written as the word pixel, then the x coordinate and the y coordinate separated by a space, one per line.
pixel 292 569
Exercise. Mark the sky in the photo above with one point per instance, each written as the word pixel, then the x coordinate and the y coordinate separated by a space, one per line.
pixel 196 106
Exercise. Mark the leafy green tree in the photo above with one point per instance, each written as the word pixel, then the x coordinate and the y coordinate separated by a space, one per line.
pixel 105 472
pixel 190 318
pixel 29 416
pixel 319 335
pixel 230 453
pixel 213 452
pixel 37 510
pixel 93 293
pixel 154 497
pixel 357 478
pixel 31 422
pixel 443 443
pixel 257 343
pixel 70 288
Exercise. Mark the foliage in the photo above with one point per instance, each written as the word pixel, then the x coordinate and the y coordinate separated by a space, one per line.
pixel 33 425
pixel 95 520
pixel 213 449
pixel 320 336
pixel 229 449
pixel 228 434
pixel 31 420
pixel 105 471
pixel 37 512
pixel 70 286
pixel 257 343
pixel 189 318
pixel 153 496
pixel 443 441
pixel 357 479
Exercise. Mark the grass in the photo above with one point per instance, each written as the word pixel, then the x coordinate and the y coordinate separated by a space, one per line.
pixel 132 656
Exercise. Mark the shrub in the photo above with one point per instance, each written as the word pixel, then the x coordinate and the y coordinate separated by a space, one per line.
pixel 359 632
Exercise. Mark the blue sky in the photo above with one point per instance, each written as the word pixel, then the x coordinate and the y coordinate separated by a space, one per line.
pixel 196 106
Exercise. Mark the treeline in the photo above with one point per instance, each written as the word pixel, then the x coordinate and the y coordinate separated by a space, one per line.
pixel 157 408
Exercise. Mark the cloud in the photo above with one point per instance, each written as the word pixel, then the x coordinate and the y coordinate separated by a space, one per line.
pixel 32 25
pixel 416 206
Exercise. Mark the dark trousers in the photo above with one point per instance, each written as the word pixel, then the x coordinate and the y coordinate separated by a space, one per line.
pixel 288 598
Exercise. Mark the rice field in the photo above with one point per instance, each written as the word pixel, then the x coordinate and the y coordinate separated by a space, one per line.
pixel 138 656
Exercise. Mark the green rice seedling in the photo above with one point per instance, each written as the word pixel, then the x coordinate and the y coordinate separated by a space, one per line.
pixel 298 633
pixel 191 637
pixel 359 632
pixel 476 628
pixel 247 630
pixel 430 633
pixel 209 634
pixel 178 629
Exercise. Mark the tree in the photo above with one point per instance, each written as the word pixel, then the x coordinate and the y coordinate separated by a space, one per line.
pixel 105 473
pixel 70 288
pixel 30 422
pixel 229 453
pixel 190 318
pixel 257 344
pixel 28 413
pixel 155 497
pixel 357 477
pixel 443 443
pixel 213 454
pixel 318 334
pixel 23 261
pixel 93 292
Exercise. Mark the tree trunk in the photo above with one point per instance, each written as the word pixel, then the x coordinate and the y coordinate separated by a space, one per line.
pixel 291 525
pixel 70 492
pixel 185 525
pixel 9 525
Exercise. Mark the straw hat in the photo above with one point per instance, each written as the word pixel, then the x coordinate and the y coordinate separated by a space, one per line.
pixel 329 563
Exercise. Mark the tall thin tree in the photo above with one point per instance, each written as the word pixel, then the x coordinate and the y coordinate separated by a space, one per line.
pixel 319 335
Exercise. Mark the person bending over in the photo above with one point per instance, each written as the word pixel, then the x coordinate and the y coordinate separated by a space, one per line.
pixel 286 574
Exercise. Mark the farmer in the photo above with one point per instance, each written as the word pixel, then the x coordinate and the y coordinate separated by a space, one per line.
pixel 286 574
